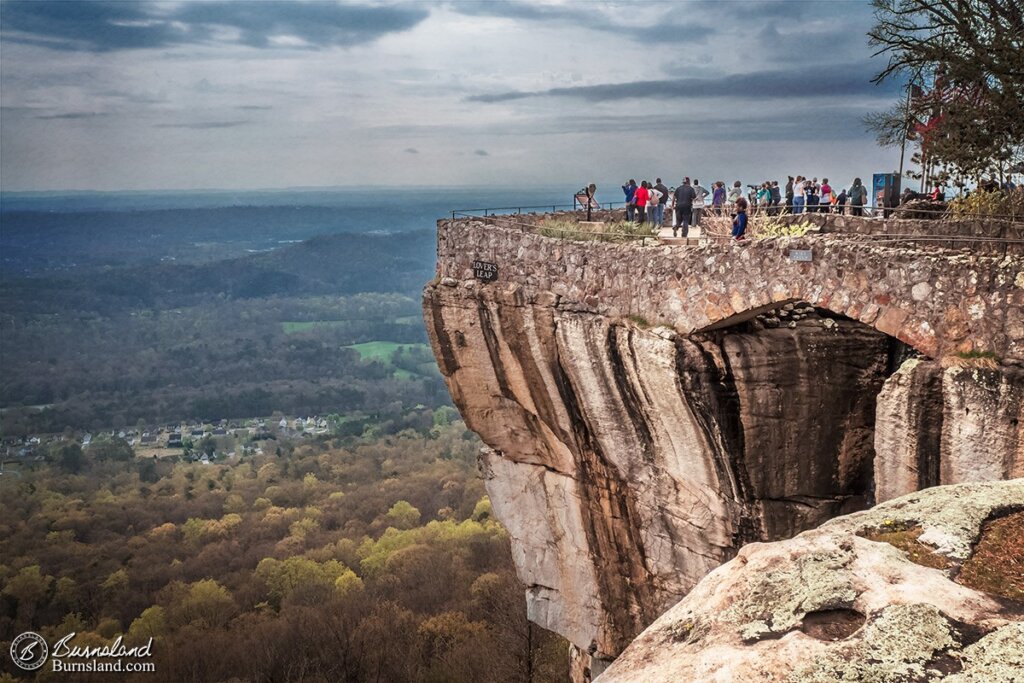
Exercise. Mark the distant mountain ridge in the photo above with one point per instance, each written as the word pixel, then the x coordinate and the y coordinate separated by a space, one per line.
pixel 345 263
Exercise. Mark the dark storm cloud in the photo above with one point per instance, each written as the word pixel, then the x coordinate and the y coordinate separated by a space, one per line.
pixel 664 26
pixel 90 25
pixel 844 81
pixel 99 26
pixel 318 23
pixel 203 125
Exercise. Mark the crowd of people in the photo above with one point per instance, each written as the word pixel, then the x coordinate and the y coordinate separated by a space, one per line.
pixel 686 203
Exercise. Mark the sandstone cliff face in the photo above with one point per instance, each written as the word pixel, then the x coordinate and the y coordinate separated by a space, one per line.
pixel 629 458
pixel 841 603
pixel 627 463
pixel 944 426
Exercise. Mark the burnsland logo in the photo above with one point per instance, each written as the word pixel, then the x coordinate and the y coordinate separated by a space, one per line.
pixel 29 651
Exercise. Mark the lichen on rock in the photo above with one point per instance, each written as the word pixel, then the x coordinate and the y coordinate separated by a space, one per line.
pixel 919 624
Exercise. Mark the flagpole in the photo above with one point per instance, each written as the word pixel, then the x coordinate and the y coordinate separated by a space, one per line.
pixel 906 128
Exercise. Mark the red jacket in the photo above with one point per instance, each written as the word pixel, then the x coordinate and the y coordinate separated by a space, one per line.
pixel 642 196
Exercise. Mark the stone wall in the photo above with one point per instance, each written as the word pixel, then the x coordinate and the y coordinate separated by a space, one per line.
pixel 910 227
pixel 937 300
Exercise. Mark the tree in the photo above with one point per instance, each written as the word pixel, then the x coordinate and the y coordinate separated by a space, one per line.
pixel 29 587
pixel 150 624
pixel 205 604
pixel 111 448
pixel 404 515
pixel 68 456
pixel 964 60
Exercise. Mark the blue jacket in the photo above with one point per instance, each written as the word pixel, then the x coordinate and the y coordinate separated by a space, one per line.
pixel 630 190
pixel 739 224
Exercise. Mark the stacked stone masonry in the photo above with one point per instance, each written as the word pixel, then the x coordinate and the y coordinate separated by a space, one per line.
pixel 937 300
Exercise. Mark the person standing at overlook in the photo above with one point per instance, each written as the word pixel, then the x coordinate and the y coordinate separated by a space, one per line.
pixel 789 196
pixel 762 197
pixel 826 193
pixel 659 219
pixel 776 197
pixel 653 204
pixel 718 198
pixel 799 187
pixel 841 202
pixel 629 189
pixel 858 194
pixel 812 197
pixel 684 206
pixel 698 201
pixel 736 192
pixel 640 199
pixel 739 221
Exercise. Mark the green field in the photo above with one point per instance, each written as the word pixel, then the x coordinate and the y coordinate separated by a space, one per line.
pixel 292 327
pixel 382 352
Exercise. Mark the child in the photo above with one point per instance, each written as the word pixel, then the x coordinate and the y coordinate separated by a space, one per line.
pixel 739 221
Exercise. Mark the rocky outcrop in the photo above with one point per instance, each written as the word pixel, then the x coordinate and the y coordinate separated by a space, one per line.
pixel 841 603
pixel 648 411
pixel 948 425
pixel 628 462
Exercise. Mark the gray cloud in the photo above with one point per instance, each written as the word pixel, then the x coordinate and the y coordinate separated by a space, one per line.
pixel 71 115
pixel 662 26
pixel 254 107
pixel 481 153
pixel 782 122
pixel 203 125
pixel 844 81
pixel 411 150
pixel 102 26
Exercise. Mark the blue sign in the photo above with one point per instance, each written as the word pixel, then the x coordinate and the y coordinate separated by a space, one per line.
pixel 878 189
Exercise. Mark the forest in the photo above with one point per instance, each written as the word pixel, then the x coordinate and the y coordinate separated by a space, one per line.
pixel 240 337
pixel 368 553
pixel 340 559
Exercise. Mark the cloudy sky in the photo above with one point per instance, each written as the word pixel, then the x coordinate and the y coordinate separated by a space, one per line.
pixel 229 94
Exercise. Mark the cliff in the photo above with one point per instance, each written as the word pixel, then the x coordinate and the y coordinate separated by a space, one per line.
pixel 649 410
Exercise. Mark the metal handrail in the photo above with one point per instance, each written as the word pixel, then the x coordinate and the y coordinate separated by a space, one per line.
pixel 869 211
pixel 607 206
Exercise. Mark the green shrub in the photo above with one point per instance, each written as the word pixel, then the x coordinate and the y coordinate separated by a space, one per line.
pixel 618 231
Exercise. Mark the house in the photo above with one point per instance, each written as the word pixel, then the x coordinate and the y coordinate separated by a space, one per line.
pixel 147 440
pixel 174 440
pixel 220 431
pixel 87 439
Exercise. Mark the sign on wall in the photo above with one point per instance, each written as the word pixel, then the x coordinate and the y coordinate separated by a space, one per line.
pixel 485 270
pixel 801 255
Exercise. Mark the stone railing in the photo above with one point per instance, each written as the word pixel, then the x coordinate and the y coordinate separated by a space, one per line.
pixel 965 227
pixel 940 301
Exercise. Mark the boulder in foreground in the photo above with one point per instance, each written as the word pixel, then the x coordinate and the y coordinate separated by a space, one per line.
pixel 926 587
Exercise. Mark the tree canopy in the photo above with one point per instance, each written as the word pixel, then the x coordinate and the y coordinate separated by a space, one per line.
pixel 963 61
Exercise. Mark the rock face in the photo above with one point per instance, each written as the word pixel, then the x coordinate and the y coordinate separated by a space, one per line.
pixel 651 410
pixel 627 463
pixel 943 426
pixel 834 605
